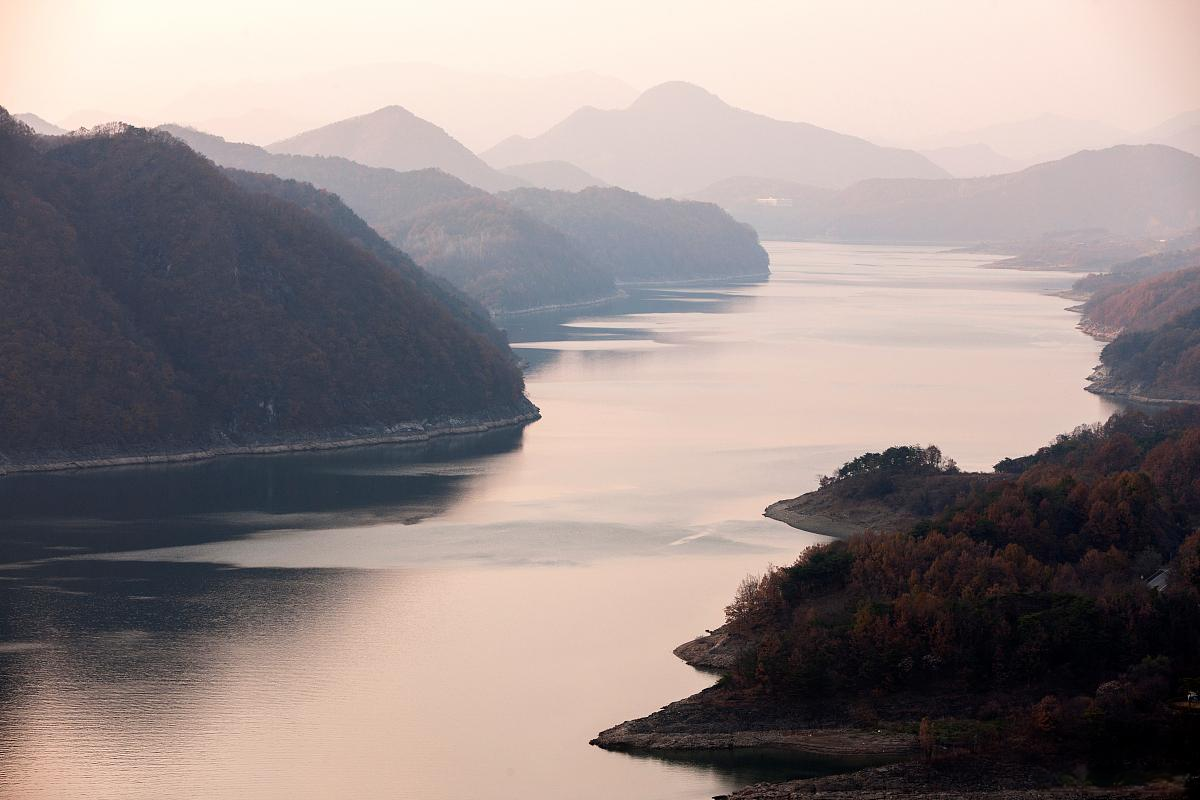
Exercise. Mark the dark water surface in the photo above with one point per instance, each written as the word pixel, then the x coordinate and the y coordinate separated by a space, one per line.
pixel 456 620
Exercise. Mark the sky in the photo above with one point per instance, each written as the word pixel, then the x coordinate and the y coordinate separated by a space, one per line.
pixel 892 70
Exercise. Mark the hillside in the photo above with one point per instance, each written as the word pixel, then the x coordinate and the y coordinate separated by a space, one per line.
pixel 148 305
pixel 329 208
pixel 1011 624
pixel 557 175
pixel 646 240
pixel 1159 365
pixel 395 138
pixel 1128 191
pixel 677 138
pixel 506 259
pixel 1144 305
pixel 384 198
pixel 478 256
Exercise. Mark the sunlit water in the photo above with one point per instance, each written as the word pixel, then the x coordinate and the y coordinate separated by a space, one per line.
pixel 457 620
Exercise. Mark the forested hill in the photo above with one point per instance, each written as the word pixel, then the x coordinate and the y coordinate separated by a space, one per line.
pixel 1157 365
pixel 147 303
pixel 497 254
pixel 1144 305
pixel 1018 619
pixel 644 239
pixel 331 210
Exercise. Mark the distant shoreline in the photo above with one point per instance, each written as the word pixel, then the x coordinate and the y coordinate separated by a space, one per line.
pixel 521 312
pixel 409 433
pixel 693 281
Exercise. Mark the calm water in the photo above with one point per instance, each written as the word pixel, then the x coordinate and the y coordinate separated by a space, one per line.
pixel 457 620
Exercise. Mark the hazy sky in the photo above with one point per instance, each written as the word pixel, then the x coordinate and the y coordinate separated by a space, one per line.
pixel 893 70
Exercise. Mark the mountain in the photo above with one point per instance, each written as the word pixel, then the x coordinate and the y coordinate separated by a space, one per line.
pixel 971 160
pixel 330 209
pixel 40 125
pixel 385 198
pixel 499 245
pixel 645 240
pixel 503 257
pixel 557 175
pixel 1042 138
pixel 476 108
pixel 678 138
pixel 1128 190
pixel 148 305
pixel 395 138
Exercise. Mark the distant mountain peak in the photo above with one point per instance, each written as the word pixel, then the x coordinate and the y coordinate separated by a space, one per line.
pixel 395 138
pixel 674 95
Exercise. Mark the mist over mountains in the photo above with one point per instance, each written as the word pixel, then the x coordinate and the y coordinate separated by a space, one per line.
pixel 500 254
pixel 677 138
pixel 1129 190
pixel 395 138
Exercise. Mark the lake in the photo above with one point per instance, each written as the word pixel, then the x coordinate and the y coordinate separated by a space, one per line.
pixel 458 619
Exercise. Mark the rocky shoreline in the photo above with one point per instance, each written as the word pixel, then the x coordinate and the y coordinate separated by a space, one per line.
pixel 807 514
pixel 410 432
pixel 965 778
pixel 1101 383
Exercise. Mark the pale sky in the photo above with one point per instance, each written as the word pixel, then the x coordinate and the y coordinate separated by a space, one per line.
pixel 886 69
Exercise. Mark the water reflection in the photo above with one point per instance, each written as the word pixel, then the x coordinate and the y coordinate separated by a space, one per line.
pixel 134 508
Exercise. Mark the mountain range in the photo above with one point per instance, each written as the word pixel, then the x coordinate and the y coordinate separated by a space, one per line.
pixel 500 254
pixel 395 138
pixel 1128 190
pixel 642 240
pixel 677 138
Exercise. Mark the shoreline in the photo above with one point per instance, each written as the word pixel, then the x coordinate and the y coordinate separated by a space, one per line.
pixel 521 312
pixel 822 524
pixel 412 433
pixel 694 281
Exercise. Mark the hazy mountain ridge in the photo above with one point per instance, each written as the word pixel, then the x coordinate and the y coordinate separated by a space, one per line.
pixel 503 257
pixel 645 240
pixel 507 259
pixel 149 303
pixel 1127 190
pixel 971 160
pixel 677 138
pixel 560 176
pixel 395 138
pixel 476 255
pixel 39 125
